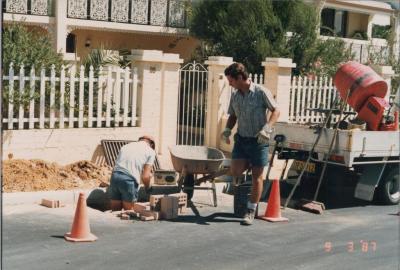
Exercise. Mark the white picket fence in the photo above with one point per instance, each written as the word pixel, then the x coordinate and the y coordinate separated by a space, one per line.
pixel 307 93
pixel 257 78
pixel 107 100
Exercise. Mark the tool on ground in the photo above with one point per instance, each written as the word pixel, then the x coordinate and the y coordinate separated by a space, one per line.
pixel 273 211
pixel 80 231
pixel 319 134
pixel 279 139
pixel 314 206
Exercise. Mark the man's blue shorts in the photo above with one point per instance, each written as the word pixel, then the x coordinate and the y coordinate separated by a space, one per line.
pixel 249 149
pixel 123 187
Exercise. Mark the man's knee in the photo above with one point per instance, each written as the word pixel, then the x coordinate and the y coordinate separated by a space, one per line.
pixel 236 172
pixel 257 174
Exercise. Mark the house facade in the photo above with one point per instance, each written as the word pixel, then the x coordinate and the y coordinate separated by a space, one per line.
pixel 78 26
pixel 362 25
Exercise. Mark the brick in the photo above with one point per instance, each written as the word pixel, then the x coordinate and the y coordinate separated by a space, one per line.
pixel 169 207
pixel 155 202
pixel 182 198
pixel 124 216
pixel 148 213
pixel 182 209
pixel 138 207
pixel 132 213
pixel 52 203
pixel 145 218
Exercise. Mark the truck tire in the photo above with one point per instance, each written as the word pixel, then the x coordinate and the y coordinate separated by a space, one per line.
pixel 389 188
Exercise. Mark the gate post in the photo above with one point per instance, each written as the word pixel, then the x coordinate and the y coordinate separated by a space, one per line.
pixel 277 77
pixel 216 67
pixel 158 76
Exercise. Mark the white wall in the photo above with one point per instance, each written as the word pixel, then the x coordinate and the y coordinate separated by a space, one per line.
pixel 64 145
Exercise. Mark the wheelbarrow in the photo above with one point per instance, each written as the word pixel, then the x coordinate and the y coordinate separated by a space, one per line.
pixel 191 161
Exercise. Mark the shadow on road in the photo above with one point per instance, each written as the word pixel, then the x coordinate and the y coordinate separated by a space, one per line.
pixel 218 217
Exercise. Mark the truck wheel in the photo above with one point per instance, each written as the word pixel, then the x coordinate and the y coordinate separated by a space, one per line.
pixel 189 182
pixel 389 189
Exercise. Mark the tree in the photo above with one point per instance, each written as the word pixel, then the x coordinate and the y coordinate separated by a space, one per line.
pixel 249 31
pixel 31 48
pixel 28 46
pixel 246 30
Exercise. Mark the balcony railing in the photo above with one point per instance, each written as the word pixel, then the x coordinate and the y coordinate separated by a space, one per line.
pixel 169 13
pixel 31 7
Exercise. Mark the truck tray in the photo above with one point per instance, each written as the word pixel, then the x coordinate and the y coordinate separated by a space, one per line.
pixel 350 144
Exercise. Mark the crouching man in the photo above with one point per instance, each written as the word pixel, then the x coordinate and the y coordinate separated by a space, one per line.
pixel 134 164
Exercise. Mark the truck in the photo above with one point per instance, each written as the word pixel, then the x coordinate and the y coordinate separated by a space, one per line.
pixel 368 161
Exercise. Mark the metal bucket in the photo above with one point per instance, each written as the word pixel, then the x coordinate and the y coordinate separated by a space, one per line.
pixel 362 82
pixel 241 195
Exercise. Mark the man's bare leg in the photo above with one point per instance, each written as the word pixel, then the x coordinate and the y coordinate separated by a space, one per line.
pixel 238 166
pixel 257 175
pixel 127 205
pixel 116 205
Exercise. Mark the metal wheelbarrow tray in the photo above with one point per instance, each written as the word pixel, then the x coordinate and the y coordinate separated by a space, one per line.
pixel 192 160
pixel 196 159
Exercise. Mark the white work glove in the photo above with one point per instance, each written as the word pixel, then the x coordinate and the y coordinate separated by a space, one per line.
pixel 225 135
pixel 264 135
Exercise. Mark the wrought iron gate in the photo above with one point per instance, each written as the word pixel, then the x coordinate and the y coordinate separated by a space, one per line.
pixel 192 104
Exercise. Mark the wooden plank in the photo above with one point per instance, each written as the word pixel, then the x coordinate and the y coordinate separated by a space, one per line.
pixel 21 97
pixel 62 96
pixel 42 97
pixel 126 96
pixel 11 97
pixel 71 119
pixel 117 96
pixel 100 98
pixel 81 92
pixel 32 100
pixel 294 84
pixel 108 96
pixel 306 85
pixel 52 95
pixel 91 81
pixel 134 96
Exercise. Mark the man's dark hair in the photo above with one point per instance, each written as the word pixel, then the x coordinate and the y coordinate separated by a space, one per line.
pixel 235 70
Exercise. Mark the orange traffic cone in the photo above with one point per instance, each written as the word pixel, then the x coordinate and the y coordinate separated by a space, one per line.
pixel 273 212
pixel 80 231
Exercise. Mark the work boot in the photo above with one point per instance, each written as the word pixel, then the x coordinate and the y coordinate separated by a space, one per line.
pixel 248 217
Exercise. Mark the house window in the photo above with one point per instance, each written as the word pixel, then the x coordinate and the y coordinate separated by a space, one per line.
pixel 71 43
pixel 333 22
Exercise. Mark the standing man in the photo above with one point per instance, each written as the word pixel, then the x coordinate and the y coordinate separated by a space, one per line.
pixel 249 106
pixel 134 163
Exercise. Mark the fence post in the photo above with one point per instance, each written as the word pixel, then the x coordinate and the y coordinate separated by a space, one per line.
pixel 157 95
pixel 277 77
pixel 61 25
pixel 169 100
pixel 215 113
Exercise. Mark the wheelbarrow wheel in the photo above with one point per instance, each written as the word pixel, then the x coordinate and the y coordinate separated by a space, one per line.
pixel 188 185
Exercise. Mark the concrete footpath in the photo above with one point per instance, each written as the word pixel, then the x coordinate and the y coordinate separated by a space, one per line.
pixel 205 237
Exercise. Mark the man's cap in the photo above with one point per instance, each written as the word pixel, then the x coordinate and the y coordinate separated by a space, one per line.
pixel 150 139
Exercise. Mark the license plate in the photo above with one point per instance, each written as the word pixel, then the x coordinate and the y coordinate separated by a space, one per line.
pixel 298 165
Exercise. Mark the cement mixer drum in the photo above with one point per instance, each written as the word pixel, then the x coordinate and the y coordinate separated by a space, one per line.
pixel 362 82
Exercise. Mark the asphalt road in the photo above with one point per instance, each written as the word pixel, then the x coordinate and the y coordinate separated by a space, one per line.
pixel 359 237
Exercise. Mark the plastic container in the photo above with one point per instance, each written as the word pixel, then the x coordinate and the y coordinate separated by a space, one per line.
pixel 362 82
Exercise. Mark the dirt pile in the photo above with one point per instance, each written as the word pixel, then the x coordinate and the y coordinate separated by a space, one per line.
pixel 37 175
